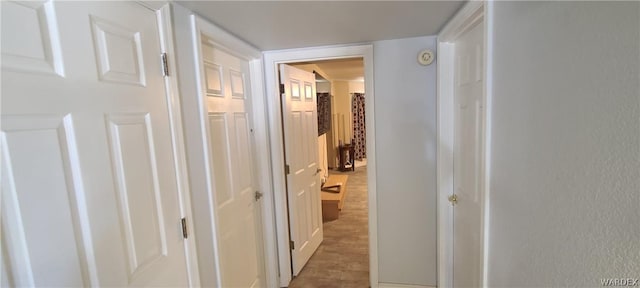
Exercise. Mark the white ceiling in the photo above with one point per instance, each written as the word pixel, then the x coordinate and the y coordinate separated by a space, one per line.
pixel 271 25
pixel 343 69
pixel 351 69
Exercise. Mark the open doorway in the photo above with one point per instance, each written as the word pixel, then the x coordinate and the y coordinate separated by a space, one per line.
pixel 341 106
pixel 277 231
pixel 342 258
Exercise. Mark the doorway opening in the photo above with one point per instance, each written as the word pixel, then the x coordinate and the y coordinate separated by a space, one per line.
pixel 343 255
pixel 278 228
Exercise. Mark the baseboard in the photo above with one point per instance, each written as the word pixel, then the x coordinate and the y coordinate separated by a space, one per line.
pixel 394 285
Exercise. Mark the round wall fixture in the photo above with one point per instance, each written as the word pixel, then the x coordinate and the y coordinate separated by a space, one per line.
pixel 425 57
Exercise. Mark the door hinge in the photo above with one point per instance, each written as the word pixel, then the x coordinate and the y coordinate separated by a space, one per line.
pixel 281 88
pixel 185 234
pixel 286 169
pixel 292 245
pixel 165 65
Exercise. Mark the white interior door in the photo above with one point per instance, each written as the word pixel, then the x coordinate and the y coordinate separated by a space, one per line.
pixel 237 204
pixel 301 153
pixel 88 181
pixel 468 147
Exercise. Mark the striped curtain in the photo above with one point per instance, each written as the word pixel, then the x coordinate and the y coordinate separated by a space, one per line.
pixel 359 132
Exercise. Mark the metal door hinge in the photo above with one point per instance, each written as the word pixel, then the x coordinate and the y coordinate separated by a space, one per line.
pixel 165 65
pixel 185 234
pixel 286 169
pixel 292 245
pixel 258 195
pixel 281 88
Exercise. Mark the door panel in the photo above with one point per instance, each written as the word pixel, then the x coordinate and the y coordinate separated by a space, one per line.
pixel 139 197
pixel 35 47
pixel 301 150
pixel 31 212
pixel 88 181
pixel 238 211
pixel 468 159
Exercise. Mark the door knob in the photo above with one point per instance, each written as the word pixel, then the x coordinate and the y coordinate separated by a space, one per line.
pixel 453 199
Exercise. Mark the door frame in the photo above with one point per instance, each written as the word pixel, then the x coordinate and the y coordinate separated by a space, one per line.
pixel 165 31
pixel 224 41
pixel 473 13
pixel 279 209
pixel 189 27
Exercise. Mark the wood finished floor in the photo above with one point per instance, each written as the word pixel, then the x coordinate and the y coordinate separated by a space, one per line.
pixel 342 260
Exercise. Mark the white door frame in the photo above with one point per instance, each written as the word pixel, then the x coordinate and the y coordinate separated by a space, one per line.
pixel 474 12
pixel 271 61
pixel 163 14
pixel 190 26
pixel 238 48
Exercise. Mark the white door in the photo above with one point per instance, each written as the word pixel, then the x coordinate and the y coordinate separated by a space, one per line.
pixel 301 154
pixel 237 206
pixel 468 147
pixel 88 181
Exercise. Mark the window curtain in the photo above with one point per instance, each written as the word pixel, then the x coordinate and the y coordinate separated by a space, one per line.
pixel 324 113
pixel 359 132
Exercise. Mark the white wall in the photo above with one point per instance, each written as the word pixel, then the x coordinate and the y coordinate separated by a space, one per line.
pixel 356 87
pixel 405 101
pixel 342 119
pixel 323 87
pixel 565 169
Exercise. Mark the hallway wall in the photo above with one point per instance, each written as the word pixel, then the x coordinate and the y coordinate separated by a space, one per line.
pixel 565 166
pixel 341 113
pixel 405 94
pixel 405 107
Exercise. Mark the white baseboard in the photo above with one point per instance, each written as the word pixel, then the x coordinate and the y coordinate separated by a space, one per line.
pixel 393 285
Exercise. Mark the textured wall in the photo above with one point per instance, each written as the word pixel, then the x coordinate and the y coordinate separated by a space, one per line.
pixel 405 103
pixel 565 184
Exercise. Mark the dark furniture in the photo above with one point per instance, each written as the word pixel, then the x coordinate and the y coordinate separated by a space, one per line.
pixel 345 157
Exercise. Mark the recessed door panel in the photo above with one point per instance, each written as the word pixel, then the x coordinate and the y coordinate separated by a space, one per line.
pixel 220 155
pixel 30 39
pixel 138 189
pixel 237 83
pixel 304 231
pixel 213 79
pixel 298 157
pixel 39 202
pixel 244 175
pixel 118 52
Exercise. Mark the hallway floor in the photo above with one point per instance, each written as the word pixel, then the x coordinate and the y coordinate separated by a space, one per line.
pixel 342 260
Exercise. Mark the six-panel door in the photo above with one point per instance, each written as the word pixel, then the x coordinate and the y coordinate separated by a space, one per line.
pixel 89 195
pixel 301 150
pixel 238 216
